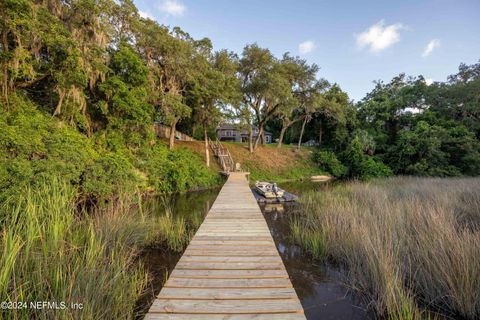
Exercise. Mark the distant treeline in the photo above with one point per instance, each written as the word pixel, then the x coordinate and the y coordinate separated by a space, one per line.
pixel 413 127
pixel 83 81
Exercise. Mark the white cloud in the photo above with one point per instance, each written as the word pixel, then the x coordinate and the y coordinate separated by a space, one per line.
pixel 428 81
pixel 173 8
pixel 306 47
pixel 432 44
pixel 379 36
pixel 146 15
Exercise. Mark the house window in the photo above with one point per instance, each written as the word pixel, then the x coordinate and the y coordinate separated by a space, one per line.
pixel 268 139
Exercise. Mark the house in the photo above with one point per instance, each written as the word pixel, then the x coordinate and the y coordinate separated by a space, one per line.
pixel 231 133
pixel 311 143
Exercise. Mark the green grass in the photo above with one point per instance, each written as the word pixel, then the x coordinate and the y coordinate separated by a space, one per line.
pixel 273 164
pixel 257 172
pixel 51 252
pixel 314 240
pixel 410 245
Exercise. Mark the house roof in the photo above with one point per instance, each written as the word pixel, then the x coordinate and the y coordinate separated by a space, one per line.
pixel 228 126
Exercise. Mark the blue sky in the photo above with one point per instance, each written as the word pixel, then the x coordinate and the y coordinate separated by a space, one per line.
pixel 353 42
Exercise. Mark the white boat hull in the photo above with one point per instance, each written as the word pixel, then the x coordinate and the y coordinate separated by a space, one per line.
pixel 265 189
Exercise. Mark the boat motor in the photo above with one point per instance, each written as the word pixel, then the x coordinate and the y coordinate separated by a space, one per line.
pixel 274 188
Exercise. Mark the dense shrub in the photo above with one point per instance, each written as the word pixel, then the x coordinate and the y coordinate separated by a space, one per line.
pixel 36 146
pixel 433 150
pixel 328 162
pixel 110 174
pixel 176 170
pixel 33 145
pixel 371 168
pixel 362 166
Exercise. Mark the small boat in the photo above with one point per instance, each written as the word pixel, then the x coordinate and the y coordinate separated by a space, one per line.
pixel 269 190
pixel 320 178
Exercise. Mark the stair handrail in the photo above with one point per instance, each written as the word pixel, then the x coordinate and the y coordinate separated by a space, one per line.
pixel 223 154
pixel 230 158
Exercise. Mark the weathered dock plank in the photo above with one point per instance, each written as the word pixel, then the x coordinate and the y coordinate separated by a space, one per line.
pixel 231 269
pixel 229 274
pixel 210 306
pixel 186 316
pixel 228 294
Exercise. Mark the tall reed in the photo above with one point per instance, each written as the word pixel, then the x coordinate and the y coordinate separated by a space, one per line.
pixel 409 244
pixel 50 252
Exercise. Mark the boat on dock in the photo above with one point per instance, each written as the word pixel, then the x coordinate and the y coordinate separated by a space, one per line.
pixel 266 192
pixel 269 190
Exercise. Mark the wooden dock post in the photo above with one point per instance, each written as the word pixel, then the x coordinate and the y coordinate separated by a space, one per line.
pixel 231 269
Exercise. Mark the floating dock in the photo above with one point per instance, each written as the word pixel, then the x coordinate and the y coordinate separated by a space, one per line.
pixel 287 197
pixel 231 269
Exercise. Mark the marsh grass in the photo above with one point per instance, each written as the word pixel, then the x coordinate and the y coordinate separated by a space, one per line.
pixel 175 230
pixel 50 252
pixel 410 245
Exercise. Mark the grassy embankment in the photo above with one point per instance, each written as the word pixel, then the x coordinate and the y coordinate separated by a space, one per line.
pixel 267 162
pixel 409 244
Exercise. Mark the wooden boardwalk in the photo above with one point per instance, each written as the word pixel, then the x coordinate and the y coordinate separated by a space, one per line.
pixel 231 268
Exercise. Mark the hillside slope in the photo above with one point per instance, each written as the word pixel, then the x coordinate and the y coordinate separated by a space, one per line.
pixel 267 162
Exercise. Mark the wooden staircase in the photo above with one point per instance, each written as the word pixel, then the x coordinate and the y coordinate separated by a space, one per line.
pixel 223 155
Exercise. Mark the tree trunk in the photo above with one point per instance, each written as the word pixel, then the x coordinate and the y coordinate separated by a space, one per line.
pixel 207 150
pixel 301 133
pixel 259 134
pixel 4 84
pixel 173 127
pixel 58 109
pixel 5 49
pixel 282 133
pixel 264 140
pixel 250 138
pixel 392 126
